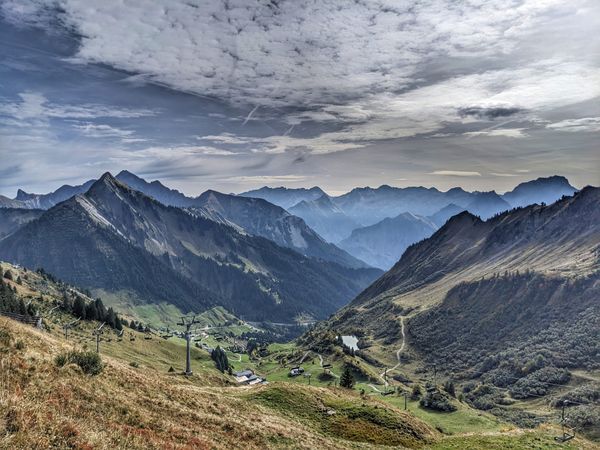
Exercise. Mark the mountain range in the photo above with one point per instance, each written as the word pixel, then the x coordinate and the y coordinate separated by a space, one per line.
pixel 343 229
pixel 122 241
pixel 367 206
pixel 382 244
pixel 551 249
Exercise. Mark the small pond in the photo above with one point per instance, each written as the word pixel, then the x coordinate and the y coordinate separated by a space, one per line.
pixel 350 341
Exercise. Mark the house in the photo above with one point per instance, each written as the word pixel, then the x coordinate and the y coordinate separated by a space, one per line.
pixel 248 377
pixel 243 376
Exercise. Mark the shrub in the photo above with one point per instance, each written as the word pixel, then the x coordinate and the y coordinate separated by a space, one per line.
pixel 19 345
pixel 437 401
pixel 5 337
pixel 536 383
pixel 89 362
pixel 416 392
pixel 134 364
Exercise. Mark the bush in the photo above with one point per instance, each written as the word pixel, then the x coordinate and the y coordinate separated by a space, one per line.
pixel 89 362
pixel 19 345
pixel 416 392
pixel 5 337
pixel 134 364
pixel 437 401
pixel 536 383
pixel 587 393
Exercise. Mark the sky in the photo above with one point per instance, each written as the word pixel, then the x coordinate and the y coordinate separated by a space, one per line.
pixel 234 95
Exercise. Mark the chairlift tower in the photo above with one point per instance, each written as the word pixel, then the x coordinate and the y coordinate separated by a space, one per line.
pixel 97 332
pixel 565 436
pixel 188 322
pixel 67 326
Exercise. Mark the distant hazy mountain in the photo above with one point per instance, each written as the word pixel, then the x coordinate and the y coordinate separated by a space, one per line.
pixel 285 197
pixel 261 218
pixel 542 190
pixel 325 218
pixel 155 189
pixel 11 219
pixel 560 239
pixel 45 201
pixel 442 216
pixel 486 204
pixel 368 206
pixel 382 244
pixel 6 202
pixel 117 239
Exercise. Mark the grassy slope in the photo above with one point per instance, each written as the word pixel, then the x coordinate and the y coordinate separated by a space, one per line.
pixel 146 407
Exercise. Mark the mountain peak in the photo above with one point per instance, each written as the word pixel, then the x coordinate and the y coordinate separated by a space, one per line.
pixel 105 182
pixel 22 195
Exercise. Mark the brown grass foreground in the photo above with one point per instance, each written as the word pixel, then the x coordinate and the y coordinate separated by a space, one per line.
pixel 43 406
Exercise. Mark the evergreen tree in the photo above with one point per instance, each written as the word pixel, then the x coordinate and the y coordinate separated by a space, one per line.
pixel 347 379
pixel 109 318
pixel 90 312
pixel 101 310
pixel 220 359
pixel 8 275
pixel 66 302
pixel 79 308
pixel 118 323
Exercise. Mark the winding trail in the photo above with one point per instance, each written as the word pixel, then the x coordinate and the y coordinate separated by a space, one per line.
pixel 398 352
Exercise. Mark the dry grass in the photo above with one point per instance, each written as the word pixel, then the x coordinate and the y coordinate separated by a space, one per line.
pixel 44 406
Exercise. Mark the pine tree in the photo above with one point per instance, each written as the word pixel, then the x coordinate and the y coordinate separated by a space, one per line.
pixel 347 379
pixel 90 312
pixel 79 307
pixel 220 359
pixel 118 323
pixel 110 318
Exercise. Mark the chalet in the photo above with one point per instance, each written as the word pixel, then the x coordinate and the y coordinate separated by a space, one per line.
pixel 248 377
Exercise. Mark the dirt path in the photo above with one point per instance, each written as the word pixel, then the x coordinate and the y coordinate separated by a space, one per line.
pixel 398 352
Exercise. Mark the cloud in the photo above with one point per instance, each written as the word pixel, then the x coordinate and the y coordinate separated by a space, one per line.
pixel 499 174
pixel 34 105
pixel 500 132
pixel 294 52
pixel 455 173
pixel 268 179
pixel 586 124
pixel 225 138
pixel 104 131
pixel 490 112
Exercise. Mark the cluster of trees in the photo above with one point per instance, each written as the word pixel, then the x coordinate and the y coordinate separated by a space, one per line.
pixel 520 331
pixel 437 400
pixel 139 326
pixel 219 356
pixel 9 302
pixel 90 310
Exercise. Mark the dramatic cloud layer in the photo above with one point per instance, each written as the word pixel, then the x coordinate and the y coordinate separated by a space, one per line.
pixel 238 93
